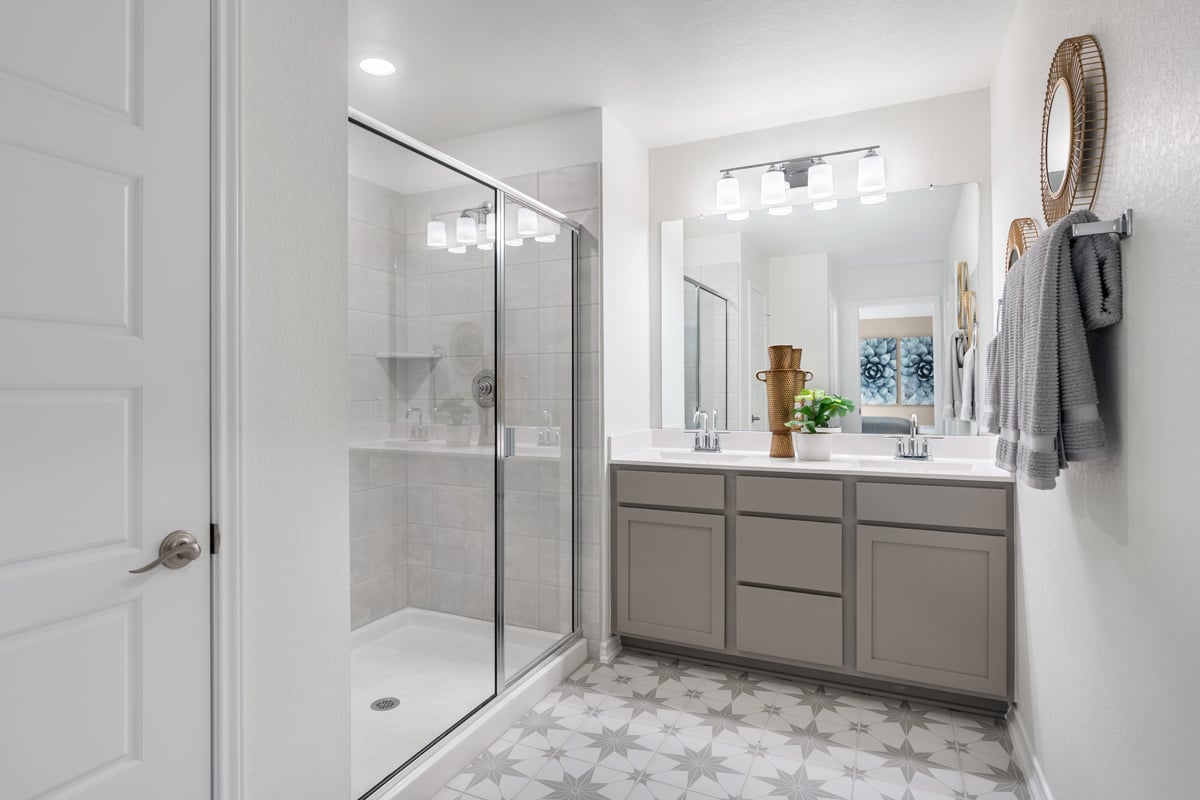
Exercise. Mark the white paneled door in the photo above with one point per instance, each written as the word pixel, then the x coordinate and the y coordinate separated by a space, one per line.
pixel 104 398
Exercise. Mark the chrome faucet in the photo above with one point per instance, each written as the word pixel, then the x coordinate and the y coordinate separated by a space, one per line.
pixel 548 435
pixel 707 439
pixel 913 446
pixel 418 432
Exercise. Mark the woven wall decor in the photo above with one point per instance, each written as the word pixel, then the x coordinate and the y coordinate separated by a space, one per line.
pixel 1022 233
pixel 1076 78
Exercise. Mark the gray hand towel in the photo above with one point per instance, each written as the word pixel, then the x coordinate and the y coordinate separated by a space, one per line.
pixel 966 412
pixel 1048 408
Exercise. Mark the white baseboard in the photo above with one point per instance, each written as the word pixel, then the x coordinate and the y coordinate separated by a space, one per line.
pixel 610 648
pixel 1035 779
pixel 447 759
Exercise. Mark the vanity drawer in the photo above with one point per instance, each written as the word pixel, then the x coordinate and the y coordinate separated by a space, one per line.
pixel 791 625
pixel 949 506
pixel 679 489
pixel 801 497
pixel 789 552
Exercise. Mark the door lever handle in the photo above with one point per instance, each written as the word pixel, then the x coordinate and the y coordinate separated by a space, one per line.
pixel 178 549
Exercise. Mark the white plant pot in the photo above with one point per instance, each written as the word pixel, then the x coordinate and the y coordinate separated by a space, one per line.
pixel 812 446
pixel 458 435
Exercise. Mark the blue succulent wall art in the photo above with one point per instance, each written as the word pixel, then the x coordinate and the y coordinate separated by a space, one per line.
pixel 916 370
pixel 877 371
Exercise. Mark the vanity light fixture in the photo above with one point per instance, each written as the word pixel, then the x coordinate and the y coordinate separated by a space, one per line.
pixel 774 186
pixel 737 216
pixel 546 238
pixel 457 249
pixel 825 205
pixel 514 242
pixel 729 195
pixel 435 233
pixel 812 172
pixel 870 173
pixel 779 211
pixel 490 226
pixel 873 199
pixel 465 230
pixel 820 180
pixel 379 67
pixel 486 246
pixel 526 222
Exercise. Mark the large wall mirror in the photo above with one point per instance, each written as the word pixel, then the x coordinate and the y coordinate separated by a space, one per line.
pixel 870 292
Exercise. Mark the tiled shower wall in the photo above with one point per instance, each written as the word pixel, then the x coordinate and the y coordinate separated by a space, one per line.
pixel 378 497
pixel 442 542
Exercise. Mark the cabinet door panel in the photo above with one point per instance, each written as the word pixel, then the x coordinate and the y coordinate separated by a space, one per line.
pixel 671 576
pixel 933 608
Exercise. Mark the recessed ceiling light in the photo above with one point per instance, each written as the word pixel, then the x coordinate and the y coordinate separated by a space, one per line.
pixel 380 67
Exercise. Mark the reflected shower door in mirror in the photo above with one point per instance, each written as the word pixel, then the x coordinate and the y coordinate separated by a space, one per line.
pixel 705 353
pixel 824 281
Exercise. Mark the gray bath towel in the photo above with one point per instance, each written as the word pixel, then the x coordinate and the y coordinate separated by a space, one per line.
pixel 1047 411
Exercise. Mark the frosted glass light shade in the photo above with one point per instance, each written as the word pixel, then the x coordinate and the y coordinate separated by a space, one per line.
pixel 546 238
pixel 774 187
pixel 457 249
pixel 435 233
pixel 485 246
pixel 491 226
pixel 824 205
pixel 779 211
pixel 729 194
pixel 465 231
pixel 526 222
pixel 820 181
pixel 872 199
pixel 737 216
pixel 515 242
pixel 870 173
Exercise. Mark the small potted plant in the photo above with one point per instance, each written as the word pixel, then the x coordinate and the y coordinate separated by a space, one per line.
pixel 810 423
pixel 456 411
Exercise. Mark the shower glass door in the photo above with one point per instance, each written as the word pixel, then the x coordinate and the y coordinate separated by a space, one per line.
pixel 463 319
pixel 422 439
pixel 538 468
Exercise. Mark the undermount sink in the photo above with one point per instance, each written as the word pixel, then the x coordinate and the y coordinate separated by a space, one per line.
pixel 914 465
pixel 688 455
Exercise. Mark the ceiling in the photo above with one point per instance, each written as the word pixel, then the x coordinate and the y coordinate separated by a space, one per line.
pixel 911 227
pixel 672 70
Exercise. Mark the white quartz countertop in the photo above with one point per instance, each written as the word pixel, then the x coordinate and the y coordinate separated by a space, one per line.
pixel 965 461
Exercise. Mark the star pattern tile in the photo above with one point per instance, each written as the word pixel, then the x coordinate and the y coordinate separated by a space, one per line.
pixel 644 727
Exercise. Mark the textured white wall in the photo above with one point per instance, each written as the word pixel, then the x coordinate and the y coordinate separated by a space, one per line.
pixel 295 554
pixel 943 140
pixel 798 302
pixel 1108 597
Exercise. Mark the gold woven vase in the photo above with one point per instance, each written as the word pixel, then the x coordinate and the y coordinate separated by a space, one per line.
pixel 781 395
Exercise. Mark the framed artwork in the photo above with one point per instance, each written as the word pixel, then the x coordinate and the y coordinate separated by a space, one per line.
pixel 877 371
pixel 916 370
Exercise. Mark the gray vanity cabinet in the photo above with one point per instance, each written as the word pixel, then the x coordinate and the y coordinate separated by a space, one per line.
pixel 901 585
pixel 933 607
pixel 671 576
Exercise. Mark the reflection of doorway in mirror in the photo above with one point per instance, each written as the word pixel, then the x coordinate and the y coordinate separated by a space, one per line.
pixel 758 357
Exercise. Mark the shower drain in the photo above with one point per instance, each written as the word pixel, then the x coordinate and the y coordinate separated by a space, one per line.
pixel 385 704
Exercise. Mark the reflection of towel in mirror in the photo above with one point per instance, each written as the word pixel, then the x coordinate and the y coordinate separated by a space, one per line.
pixel 954 369
pixel 966 412
pixel 1048 410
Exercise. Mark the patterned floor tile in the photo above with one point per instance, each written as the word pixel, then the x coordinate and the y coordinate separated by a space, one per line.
pixel 644 727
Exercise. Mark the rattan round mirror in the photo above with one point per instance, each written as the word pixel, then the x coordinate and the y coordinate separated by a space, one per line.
pixel 1074 120
pixel 1021 233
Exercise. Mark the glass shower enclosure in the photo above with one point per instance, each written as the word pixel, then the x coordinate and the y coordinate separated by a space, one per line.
pixel 462 320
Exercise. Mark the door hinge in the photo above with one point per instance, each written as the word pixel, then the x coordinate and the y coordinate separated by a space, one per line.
pixel 214 538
